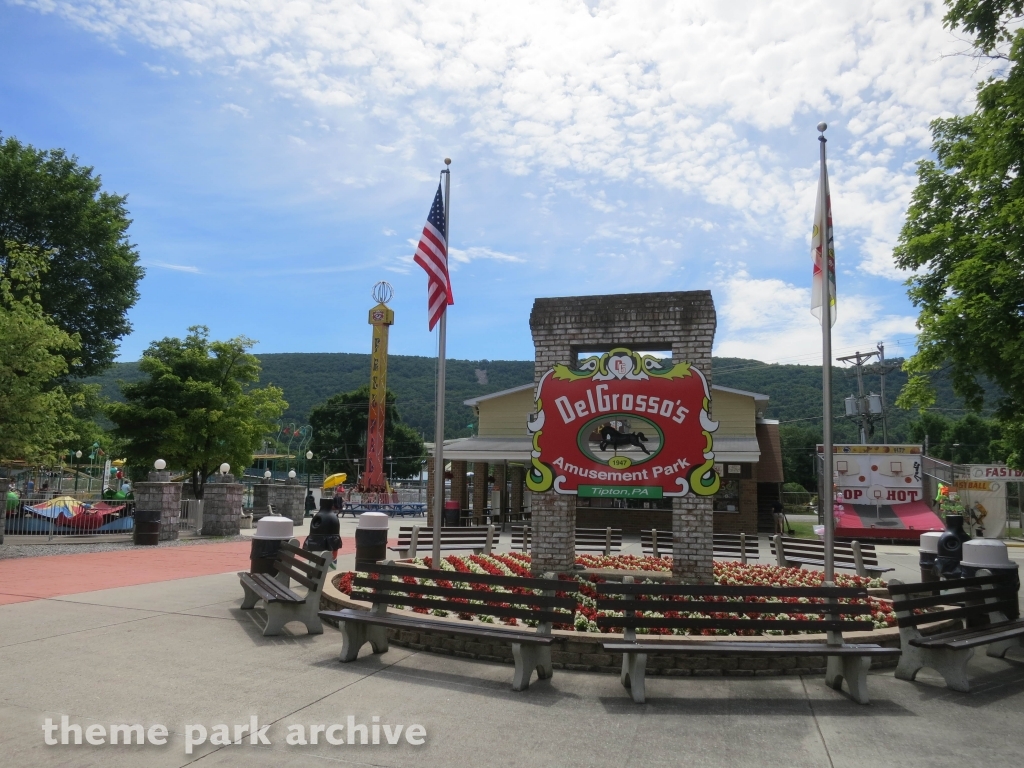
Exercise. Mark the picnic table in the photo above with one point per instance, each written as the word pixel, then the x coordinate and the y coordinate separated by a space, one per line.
pixel 414 508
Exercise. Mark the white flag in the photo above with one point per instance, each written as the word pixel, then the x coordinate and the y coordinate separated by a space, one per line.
pixel 823 223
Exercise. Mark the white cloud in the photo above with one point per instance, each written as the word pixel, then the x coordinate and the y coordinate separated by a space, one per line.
pixel 176 267
pixel 389 232
pixel 458 256
pixel 236 108
pixel 770 320
pixel 695 98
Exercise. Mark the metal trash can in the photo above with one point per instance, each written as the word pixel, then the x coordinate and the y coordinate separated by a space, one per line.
pixel 928 552
pixel 271 532
pixel 147 527
pixel 991 555
pixel 451 513
pixel 371 538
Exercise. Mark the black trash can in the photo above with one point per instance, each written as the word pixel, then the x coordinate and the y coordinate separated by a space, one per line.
pixel 371 538
pixel 147 527
pixel 451 514
pixel 324 533
pixel 271 532
pixel 951 544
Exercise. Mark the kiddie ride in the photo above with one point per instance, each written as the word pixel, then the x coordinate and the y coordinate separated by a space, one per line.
pixel 69 515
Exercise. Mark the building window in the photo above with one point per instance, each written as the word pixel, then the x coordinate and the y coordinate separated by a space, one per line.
pixel 728 497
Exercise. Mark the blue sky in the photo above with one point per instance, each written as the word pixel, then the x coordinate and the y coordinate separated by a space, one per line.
pixel 280 158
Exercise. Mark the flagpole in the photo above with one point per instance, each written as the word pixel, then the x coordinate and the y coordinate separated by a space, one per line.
pixel 827 500
pixel 435 561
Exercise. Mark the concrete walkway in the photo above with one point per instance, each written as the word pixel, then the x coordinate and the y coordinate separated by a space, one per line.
pixel 181 653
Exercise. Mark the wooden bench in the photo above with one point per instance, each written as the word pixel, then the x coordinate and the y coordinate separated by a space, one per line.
pixel 414 539
pixel 727 546
pixel 604 541
pixel 981 602
pixel 457 593
pixel 307 568
pixel 850 555
pixel 848 662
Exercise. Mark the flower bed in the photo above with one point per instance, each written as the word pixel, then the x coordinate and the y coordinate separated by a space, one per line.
pixel 585 614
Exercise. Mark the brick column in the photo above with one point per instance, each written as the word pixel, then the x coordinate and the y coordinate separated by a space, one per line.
pixel 518 477
pixel 460 485
pixel 430 495
pixel 479 490
pixel 683 322
pixel 501 485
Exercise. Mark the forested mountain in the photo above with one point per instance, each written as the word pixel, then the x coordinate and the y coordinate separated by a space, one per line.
pixel 310 378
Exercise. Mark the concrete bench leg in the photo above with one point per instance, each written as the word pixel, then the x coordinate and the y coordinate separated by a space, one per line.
pixel 852 669
pixel 529 658
pixel 277 617
pixel 998 650
pixel 250 599
pixel 355 635
pixel 634 668
pixel 952 665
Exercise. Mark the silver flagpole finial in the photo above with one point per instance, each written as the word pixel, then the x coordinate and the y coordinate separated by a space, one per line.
pixel 822 127
pixel 447 161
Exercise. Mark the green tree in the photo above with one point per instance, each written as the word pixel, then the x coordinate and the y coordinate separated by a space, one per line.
pixel 197 406
pixel 35 417
pixel 963 239
pixel 339 434
pixel 799 454
pixel 49 201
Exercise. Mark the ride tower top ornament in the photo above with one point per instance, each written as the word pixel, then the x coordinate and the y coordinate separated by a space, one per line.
pixel 623 425
pixel 383 292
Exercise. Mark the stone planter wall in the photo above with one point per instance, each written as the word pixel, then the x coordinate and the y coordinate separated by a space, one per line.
pixel 582 651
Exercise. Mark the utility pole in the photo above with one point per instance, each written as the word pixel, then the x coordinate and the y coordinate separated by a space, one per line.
pixel 859 407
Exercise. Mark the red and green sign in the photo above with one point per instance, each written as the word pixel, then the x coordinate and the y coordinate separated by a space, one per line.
pixel 623 425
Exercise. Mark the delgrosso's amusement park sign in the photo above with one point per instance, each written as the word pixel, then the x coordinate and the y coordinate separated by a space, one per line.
pixel 623 425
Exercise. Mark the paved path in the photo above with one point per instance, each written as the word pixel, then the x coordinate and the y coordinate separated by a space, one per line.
pixel 181 652
pixel 165 644
pixel 32 578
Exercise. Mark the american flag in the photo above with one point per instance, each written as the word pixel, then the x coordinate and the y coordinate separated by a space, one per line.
pixel 432 255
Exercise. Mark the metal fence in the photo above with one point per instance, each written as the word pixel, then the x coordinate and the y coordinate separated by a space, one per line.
pixel 38 516
pixel 191 517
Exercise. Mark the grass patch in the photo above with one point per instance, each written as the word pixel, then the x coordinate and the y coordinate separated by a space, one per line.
pixel 801 530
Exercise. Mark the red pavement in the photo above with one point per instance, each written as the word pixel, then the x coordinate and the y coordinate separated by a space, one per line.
pixel 33 578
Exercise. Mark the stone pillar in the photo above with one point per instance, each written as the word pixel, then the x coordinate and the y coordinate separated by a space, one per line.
pixel 479 490
pixel 262 497
pixel 222 506
pixel 161 495
pixel 515 502
pixel 460 486
pixel 290 499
